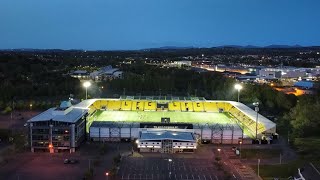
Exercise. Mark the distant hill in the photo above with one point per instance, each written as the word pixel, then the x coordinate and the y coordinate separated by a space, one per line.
pixel 283 46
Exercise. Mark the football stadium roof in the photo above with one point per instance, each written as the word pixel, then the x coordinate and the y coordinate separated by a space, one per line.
pixel 160 135
pixel 253 115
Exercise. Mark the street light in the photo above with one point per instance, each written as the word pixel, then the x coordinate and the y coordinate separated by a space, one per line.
pixel 219 151
pixel 258 167
pixel 238 87
pixel 256 104
pixel 86 85
pixel 240 148
pixel 107 175
pixel 170 161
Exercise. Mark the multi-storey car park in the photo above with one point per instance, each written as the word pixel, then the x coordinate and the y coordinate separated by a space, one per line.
pixel 156 124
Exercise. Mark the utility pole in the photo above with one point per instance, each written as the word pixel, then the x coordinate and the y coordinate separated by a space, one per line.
pixel 258 167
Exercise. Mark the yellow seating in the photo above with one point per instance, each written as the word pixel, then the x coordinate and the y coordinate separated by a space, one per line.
pixel 126 105
pixel 174 106
pixel 210 107
pixel 114 105
pixel 103 104
pixel 198 106
pixel 150 106
pixel 186 106
pixel 138 105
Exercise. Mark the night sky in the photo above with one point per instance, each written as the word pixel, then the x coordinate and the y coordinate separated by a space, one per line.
pixel 136 24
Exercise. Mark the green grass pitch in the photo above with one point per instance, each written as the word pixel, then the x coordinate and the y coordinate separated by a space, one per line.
pixel 155 116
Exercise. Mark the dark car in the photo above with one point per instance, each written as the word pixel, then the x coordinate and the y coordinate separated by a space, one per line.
pixel 70 161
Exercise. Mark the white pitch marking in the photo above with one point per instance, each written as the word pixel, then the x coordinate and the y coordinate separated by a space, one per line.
pixel 216 177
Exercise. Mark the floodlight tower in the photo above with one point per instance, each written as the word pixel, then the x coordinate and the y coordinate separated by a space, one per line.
pixel 238 87
pixel 86 85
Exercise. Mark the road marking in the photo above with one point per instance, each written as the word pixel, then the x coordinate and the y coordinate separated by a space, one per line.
pixel 234 176
pixel 314 168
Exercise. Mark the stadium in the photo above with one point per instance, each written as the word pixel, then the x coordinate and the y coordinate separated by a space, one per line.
pixel 163 124
pixel 224 122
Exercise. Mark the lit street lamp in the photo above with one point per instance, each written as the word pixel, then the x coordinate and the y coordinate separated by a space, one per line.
pixel 86 85
pixel 107 175
pixel 238 87
pixel 170 161
pixel 219 151
pixel 240 148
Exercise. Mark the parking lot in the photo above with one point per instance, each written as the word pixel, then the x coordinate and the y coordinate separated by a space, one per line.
pixel 43 166
pixel 165 168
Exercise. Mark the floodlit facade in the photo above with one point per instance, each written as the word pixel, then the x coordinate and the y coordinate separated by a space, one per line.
pixel 61 128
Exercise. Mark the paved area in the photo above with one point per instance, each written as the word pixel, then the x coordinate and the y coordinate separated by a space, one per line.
pixel 42 166
pixel 244 171
pixel 19 118
pixel 164 168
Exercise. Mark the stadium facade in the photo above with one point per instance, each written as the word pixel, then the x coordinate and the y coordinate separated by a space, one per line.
pixel 166 124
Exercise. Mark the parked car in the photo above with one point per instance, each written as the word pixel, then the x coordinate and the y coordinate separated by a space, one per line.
pixel 70 161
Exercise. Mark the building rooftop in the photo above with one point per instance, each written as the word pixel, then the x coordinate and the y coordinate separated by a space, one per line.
pixel 71 115
pixel 160 135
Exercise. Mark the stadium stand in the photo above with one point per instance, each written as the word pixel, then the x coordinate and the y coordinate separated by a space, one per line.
pixel 150 106
pixel 114 105
pixel 103 104
pixel 138 105
pixel 186 106
pixel 174 106
pixel 198 106
pixel 126 105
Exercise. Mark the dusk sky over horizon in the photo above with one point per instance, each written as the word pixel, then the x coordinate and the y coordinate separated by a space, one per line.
pixel 137 24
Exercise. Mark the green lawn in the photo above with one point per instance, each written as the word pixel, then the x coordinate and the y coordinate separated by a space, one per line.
pixel 154 116
pixel 282 171
pixel 260 153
